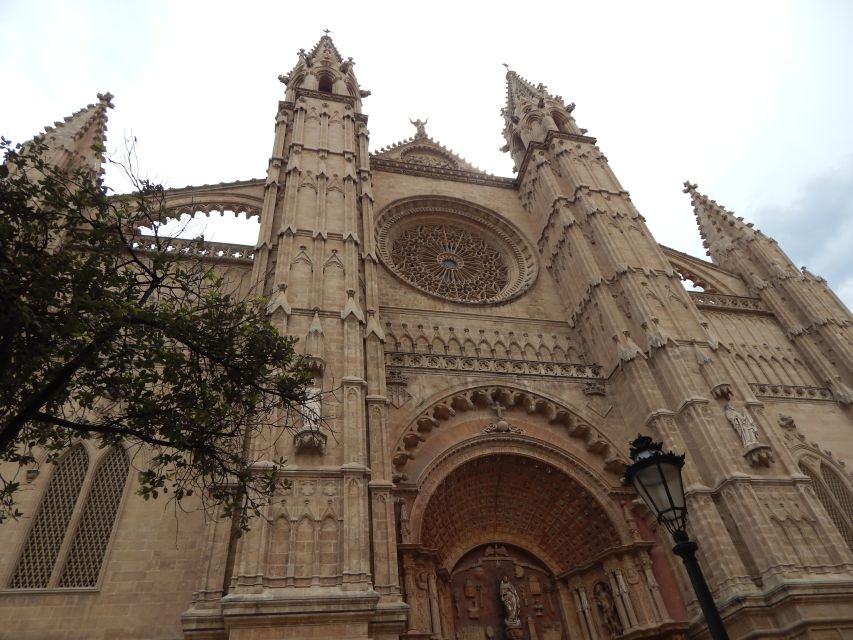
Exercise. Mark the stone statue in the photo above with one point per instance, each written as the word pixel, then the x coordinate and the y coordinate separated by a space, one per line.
pixel 311 409
pixel 509 596
pixel 743 424
pixel 420 125
pixel 607 608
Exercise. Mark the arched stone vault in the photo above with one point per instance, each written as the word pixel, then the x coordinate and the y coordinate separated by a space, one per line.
pixel 557 413
pixel 516 499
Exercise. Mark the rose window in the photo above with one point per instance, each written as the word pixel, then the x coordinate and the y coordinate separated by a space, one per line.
pixel 450 262
pixel 455 251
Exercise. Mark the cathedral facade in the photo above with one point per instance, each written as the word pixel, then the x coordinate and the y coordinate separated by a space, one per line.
pixel 487 347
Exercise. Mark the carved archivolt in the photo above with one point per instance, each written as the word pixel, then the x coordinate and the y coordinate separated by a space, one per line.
pixel 180 203
pixel 455 250
pixel 516 491
pixel 491 397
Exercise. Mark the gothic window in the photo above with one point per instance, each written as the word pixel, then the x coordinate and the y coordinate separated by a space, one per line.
pixel 51 521
pixel 835 496
pixel 96 524
pixel 455 251
pixel 69 520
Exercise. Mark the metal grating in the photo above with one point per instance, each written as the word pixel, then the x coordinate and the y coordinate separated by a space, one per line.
pixel 90 542
pixel 42 547
pixel 842 495
pixel 826 500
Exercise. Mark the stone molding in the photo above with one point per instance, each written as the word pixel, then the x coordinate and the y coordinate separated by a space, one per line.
pixel 427 171
pixel 422 425
pixel 790 392
pixel 471 364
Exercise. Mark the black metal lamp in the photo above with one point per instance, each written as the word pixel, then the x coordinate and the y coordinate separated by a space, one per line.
pixel 656 475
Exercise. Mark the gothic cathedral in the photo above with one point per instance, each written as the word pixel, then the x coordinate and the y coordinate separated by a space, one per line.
pixel 487 348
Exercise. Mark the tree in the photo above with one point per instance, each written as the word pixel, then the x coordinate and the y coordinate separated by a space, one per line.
pixel 114 336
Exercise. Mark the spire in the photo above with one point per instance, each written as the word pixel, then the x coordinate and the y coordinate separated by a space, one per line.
pixel 324 69
pixel 520 90
pixel 720 229
pixel 531 113
pixel 79 140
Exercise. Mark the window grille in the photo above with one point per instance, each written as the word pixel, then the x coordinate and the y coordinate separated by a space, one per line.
pixel 837 487
pixel 834 510
pixel 51 521
pixel 93 533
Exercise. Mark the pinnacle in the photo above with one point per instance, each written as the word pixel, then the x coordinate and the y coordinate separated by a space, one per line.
pixel 83 133
pixel 325 44
pixel 518 87
pixel 324 59
pixel 718 227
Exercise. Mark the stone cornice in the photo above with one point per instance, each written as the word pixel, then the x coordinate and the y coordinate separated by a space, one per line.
pixel 321 95
pixel 543 146
pixel 474 364
pixel 790 392
pixel 457 175
pixel 419 313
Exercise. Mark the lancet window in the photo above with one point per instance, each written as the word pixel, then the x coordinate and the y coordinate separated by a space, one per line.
pixel 73 523
pixel 835 496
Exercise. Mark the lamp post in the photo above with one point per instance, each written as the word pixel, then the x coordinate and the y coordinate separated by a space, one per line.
pixel 656 475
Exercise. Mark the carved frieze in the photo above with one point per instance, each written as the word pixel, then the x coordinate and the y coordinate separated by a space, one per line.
pixel 790 391
pixel 468 364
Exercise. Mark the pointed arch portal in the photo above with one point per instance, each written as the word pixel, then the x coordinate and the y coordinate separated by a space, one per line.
pixel 508 512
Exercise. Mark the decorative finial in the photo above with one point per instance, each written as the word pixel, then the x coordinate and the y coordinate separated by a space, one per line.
pixel 107 99
pixel 420 125
pixel 689 187
pixel 327 32
pixel 506 65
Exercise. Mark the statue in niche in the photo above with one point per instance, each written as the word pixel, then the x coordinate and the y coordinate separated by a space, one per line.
pixel 743 424
pixel 512 605
pixel 607 608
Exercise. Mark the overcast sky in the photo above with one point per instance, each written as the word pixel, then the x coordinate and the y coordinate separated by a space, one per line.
pixel 751 100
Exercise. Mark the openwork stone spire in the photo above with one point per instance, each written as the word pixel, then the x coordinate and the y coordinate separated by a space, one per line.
pixel 530 114
pixel 324 69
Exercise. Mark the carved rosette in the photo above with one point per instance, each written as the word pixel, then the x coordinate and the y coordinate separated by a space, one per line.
pixel 455 251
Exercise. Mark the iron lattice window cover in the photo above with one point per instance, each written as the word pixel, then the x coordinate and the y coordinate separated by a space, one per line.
pixel 38 561
pixel 835 498
pixel 90 542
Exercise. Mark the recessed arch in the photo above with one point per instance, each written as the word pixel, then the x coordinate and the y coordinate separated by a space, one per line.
pixel 547 495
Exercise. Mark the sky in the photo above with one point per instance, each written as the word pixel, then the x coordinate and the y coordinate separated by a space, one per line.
pixel 749 99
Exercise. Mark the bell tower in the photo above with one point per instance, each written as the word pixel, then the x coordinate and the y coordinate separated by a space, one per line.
pixel 326 553
pixel 669 375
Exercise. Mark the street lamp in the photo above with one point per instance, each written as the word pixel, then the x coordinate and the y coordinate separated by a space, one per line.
pixel 656 475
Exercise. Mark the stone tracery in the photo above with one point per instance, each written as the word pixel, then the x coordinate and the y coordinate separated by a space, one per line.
pixel 451 262
pixel 455 250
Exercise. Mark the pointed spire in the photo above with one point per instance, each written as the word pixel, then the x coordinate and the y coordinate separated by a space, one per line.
pixel 530 114
pixel 79 140
pixel 720 229
pixel 324 69
pixel 519 89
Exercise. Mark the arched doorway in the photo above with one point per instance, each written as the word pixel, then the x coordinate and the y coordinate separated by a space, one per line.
pixel 505 542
